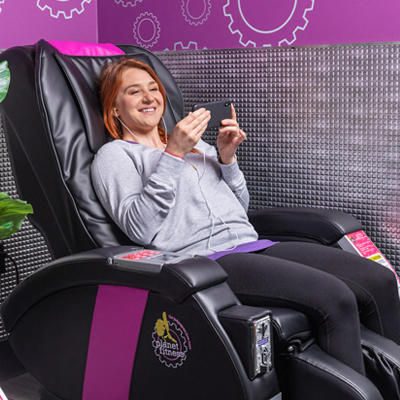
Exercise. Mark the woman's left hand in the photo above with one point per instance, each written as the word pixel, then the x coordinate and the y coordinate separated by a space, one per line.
pixel 229 138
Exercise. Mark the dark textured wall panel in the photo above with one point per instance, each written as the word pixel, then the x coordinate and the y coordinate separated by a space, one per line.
pixel 26 247
pixel 322 123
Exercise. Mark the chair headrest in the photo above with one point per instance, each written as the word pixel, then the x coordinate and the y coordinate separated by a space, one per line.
pixel 81 65
pixel 54 86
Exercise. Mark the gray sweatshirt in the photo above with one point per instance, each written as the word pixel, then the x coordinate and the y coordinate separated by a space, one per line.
pixel 163 202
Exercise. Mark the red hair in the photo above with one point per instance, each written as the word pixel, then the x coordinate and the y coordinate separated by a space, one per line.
pixel 110 84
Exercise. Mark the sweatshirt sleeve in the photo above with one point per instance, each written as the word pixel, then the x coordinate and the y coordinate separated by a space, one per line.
pixel 138 208
pixel 234 178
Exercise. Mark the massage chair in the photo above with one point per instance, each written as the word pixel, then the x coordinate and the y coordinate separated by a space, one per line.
pixel 97 323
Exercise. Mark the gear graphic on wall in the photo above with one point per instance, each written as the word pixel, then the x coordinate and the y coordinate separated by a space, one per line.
pixel 137 27
pixel 125 3
pixel 190 46
pixel 284 34
pixel 64 8
pixel 196 20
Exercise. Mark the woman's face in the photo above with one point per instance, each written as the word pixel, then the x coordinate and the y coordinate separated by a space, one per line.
pixel 139 103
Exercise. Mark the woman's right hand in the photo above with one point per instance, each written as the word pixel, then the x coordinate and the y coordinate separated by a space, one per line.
pixel 188 132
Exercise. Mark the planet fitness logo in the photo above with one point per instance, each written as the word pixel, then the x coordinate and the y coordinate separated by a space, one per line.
pixel 276 26
pixel 171 342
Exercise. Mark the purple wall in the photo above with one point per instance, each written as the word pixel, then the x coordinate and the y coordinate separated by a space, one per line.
pixel 27 21
pixel 198 24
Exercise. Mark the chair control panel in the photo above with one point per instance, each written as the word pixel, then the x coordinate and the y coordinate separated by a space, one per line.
pixel 144 260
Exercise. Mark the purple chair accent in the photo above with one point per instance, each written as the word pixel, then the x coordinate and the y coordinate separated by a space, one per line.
pixel 86 49
pixel 114 335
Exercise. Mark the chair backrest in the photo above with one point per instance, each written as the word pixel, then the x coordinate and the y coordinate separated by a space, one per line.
pixel 54 127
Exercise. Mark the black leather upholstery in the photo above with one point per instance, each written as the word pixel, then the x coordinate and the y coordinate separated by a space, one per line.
pixel 291 326
pixel 382 363
pixel 55 84
pixel 311 224
pixel 313 372
pixel 91 268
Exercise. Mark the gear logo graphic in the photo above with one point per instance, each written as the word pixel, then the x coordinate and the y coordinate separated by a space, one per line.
pixel 65 8
pixel 280 28
pixel 194 14
pixel 128 3
pixel 170 341
pixel 190 46
pixel 146 30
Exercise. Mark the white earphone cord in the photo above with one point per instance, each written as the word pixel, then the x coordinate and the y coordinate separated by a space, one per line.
pixel 211 213
pixel 126 127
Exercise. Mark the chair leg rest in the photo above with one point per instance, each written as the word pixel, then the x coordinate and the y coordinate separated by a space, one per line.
pixel 314 375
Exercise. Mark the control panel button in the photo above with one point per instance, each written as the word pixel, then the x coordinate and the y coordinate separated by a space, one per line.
pixel 145 260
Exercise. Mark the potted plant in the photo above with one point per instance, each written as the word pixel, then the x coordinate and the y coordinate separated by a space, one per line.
pixel 12 214
pixel 12 211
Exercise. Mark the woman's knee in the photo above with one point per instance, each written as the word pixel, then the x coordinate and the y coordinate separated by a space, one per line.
pixel 340 300
pixel 387 280
pixel 378 280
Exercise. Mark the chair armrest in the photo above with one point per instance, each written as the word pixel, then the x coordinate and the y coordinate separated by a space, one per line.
pixel 320 225
pixel 176 281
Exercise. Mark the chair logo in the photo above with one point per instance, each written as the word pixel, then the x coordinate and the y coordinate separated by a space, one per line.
pixel 171 342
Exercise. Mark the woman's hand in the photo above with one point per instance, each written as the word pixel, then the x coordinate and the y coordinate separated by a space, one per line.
pixel 188 132
pixel 229 138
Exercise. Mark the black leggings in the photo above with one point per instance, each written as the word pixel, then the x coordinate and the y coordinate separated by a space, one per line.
pixel 334 288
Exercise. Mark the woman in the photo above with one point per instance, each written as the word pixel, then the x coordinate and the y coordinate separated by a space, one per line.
pixel 177 193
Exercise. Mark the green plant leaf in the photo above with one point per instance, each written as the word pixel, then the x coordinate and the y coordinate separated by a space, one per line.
pixel 12 214
pixel 4 80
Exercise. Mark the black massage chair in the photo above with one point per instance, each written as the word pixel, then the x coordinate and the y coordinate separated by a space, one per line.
pixel 96 324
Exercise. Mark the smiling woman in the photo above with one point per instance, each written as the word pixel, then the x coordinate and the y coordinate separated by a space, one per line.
pixel 140 105
pixel 131 86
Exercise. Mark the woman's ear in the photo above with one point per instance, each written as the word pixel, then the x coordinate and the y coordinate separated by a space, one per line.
pixel 115 112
